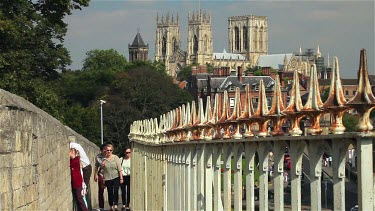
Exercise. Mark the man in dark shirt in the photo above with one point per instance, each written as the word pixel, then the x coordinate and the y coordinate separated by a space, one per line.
pixel 98 175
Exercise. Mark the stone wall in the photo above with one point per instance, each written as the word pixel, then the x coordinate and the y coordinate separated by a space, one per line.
pixel 34 157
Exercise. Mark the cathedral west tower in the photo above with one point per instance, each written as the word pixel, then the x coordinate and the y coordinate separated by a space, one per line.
pixel 200 48
pixel 248 36
pixel 167 42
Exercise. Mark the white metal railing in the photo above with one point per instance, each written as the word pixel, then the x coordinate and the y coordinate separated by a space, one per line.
pixel 186 160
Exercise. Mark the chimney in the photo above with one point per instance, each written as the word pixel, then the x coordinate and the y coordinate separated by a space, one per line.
pixel 239 73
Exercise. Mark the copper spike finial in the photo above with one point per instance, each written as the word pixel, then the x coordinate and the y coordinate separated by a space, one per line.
pixel 313 104
pixel 224 115
pixel 275 113
pixel 364 100
pixel 207 132
pixel 335 103
pixel 294 108
pixel 232 120
pixel 262 111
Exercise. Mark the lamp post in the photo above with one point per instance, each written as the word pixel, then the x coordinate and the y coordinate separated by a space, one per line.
pixel 101 118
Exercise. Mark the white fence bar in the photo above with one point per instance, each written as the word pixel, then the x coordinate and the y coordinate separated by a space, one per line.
pixel 200 177
pixel 237 167
pixel 365 176
pixel 208 178
pixel 218 206
pixel 227 154
pixel 278 171
pixel 194 173
pixel 250 150
pixel 187 175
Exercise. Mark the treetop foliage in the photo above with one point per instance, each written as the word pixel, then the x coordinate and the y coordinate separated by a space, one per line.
pixel 104 60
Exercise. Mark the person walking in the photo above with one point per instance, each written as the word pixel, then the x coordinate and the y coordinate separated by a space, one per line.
pixel 125 187
pixel 98 175
pixel 77 179
pixel 112 176
pixel 86 169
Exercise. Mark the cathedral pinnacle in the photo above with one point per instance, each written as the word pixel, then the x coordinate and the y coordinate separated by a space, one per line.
pixel 318 54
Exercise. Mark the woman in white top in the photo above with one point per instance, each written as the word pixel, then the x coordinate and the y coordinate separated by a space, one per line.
pixel 125 186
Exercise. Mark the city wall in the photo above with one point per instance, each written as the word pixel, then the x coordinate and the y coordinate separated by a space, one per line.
pixel 34 158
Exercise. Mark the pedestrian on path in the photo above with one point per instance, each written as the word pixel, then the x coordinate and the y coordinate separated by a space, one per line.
pixel 285 176
pixel 98 175
pixel 86 169
pixel 112 176
pixel 77 179
pixel 125 187
pixel 330 160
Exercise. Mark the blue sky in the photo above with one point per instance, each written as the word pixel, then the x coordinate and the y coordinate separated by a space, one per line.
pixel 340 28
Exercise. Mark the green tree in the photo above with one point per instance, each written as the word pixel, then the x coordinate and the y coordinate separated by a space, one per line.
pixel 32 51
pixel 32 35
pixel 350 122
pixel 104 60
pixel 257 71
pixel 185 73
pixel 140 92
pixel 210 68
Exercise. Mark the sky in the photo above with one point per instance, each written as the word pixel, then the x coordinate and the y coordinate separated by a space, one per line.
pixel 340 28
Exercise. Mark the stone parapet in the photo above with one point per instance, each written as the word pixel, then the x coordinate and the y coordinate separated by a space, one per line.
pixel 34 167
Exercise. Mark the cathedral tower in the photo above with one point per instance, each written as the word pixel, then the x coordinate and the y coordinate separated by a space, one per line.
pixel 248 36
pixel 200 48
pixel 167 40
pixel 138 50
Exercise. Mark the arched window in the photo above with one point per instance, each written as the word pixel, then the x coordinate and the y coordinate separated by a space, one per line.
pixel 205 43
pixel 175 45
pixel 255 39
pixel 164 46
pixel 236 39
pixel 261 38
pixel 245 38
pixel 195 44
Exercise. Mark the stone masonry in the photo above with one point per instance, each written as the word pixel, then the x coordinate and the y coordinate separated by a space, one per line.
pixel 34 159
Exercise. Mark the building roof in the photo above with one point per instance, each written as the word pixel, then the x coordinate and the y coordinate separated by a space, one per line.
pixel 327 82
pixel 276 61
pixel 251 80
pixel 138 41
pixel 229 56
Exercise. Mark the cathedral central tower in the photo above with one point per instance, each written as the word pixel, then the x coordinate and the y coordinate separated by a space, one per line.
pixel 248 36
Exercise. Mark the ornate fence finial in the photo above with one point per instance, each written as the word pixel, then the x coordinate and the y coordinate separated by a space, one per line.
pixel 224 115
pixel 293 110
pixel 314 103
pixel 207 132
pixel 364 100
pixel 247 113
pixel 262 111
pixel 335 103
pixel 232 120
pixel 275 114
pixel 215 117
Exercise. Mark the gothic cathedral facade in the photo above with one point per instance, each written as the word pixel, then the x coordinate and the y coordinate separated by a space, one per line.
pixel 247 39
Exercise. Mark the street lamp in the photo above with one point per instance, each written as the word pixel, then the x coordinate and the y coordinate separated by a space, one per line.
pixel 101 118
